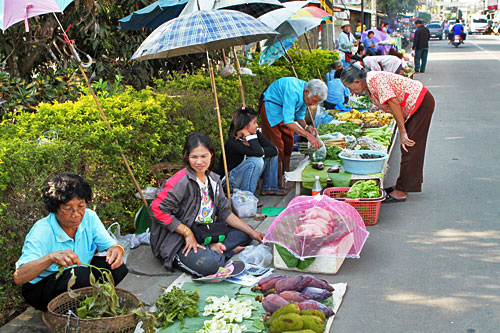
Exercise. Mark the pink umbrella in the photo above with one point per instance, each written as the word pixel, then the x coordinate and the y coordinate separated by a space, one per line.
pixel 377 35
pixel 13 11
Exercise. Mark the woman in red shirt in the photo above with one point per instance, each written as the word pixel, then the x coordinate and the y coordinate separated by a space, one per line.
pixel 412 106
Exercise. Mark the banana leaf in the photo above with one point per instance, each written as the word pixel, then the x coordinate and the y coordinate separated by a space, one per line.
pixel 341 179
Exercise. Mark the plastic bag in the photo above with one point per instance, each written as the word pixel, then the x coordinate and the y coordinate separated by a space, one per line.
pixel 124 241
pixel 244 203
pixel 317 155
pixel 259 255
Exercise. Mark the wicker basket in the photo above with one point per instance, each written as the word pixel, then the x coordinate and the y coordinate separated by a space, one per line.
pixel 367 208
pixel 56 318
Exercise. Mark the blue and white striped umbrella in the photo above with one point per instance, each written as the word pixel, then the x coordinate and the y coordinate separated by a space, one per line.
pixel 201 31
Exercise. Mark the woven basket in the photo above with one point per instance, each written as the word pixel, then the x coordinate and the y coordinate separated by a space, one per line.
pixel 56 318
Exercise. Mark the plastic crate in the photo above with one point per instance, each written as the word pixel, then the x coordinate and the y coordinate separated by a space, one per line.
pixel 367 208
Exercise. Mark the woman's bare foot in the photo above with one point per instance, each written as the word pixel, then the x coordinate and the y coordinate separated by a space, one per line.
pixel 218 247
pixel 397 194
pixel 238 249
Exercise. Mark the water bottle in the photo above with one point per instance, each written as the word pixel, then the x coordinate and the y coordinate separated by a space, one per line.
pixel 317 186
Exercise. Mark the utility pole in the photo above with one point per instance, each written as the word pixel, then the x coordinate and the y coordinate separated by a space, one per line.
pixel 362 16
pixel 374 14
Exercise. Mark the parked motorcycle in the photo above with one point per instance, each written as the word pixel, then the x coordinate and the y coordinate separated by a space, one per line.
pixel 457 40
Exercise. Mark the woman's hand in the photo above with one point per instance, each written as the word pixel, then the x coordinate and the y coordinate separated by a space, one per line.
pixel 406 141
pixel 313 140
pixel 191 244
pixel 65 258
pixel 312 130
pixel 258 236
pixel 242 133
pixel 114 256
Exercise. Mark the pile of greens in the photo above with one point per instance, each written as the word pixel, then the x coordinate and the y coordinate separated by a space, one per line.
pixel 346 128
pixel 362 102
pixel 332 153
pixel 176 304
pixel 364 189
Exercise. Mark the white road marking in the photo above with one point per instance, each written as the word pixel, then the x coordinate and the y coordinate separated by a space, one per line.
pixel 484 50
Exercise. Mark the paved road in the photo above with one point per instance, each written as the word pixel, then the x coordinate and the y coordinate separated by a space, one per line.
pixel 432 264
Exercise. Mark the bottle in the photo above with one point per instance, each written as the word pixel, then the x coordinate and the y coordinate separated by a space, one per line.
pixel 317 186
pixel 329 182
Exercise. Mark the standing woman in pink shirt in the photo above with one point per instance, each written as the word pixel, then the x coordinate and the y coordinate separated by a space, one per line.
pixel 412 106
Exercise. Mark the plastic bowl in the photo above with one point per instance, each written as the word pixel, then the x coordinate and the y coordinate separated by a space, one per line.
pixel 364 166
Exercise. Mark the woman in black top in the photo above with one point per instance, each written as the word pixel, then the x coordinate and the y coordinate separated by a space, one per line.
pixel 249 155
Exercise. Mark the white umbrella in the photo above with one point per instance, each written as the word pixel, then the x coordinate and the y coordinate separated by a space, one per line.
pixel 276 17
pixel 294 27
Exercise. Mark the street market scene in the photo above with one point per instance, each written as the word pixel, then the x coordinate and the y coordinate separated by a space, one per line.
pixel 249 166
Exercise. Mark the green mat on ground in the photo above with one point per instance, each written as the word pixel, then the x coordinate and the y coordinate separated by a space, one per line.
pixel 272 211
pixel 218 289
pixel 341 179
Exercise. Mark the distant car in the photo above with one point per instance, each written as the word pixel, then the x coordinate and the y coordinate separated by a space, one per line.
pixel 436 30
pixel 451 23
pixel 436 22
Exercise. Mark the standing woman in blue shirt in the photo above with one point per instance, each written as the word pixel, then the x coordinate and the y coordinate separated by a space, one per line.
pixel 69 236
pixel 282 110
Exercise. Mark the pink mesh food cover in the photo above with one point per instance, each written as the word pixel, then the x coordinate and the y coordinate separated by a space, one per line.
pixel 314 227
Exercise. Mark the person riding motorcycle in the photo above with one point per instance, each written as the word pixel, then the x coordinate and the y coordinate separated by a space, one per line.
pixel 458 29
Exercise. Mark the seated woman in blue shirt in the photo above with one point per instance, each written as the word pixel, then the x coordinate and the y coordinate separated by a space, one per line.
pixel 338 95
pixel 371 47
pixel 249 155
pixel 69 236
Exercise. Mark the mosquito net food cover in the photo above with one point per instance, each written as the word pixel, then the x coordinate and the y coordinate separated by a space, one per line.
pixel 319 226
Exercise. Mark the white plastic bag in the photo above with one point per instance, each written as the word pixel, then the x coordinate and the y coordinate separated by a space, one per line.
pixel 259 255
pixel 244 203
pixel 124 241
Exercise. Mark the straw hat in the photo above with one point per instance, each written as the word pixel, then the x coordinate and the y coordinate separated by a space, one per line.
pixel 344 23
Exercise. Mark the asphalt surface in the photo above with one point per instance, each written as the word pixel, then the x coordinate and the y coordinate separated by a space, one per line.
pixel 432 263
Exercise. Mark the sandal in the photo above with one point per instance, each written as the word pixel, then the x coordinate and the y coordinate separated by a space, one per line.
pixel 390 199
pixel 259 204
pixel 280 192
pixel 389 189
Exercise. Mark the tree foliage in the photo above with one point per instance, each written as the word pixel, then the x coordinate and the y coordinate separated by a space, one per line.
pixel 395 7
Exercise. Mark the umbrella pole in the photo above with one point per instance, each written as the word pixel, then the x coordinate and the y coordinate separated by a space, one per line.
pixel 238 70
pixel 103 116
pixel 293 67
pixel 125 161
pixel 310 51
pixel 221 134
pixel 289 59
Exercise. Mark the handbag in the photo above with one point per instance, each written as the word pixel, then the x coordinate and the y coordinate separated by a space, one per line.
pixel 207 233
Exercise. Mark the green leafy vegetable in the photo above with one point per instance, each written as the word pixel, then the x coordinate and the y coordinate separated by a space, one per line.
pixel 362 102
pixel 332 153
pixel 176 304
pixel 346 128
pixel 364 189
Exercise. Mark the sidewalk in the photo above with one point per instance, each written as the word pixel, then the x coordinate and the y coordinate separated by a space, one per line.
pixel 146 278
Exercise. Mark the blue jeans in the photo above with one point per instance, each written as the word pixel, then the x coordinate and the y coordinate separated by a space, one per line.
pixel 246 175
pixel 421 55
pixel 206 262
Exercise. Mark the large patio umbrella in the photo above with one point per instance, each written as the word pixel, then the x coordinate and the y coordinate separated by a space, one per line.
pixel 201 32
pixel 13 11
pixel 294 27
pixel 275 51
pixel 313 12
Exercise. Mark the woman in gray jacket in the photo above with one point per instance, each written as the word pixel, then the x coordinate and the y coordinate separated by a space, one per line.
pixel 190 206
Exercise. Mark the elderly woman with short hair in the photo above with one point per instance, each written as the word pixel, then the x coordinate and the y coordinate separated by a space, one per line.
pixel 412 106
pixel 282 110
pixel 69 236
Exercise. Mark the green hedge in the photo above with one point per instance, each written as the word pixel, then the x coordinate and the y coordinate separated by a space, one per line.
pixel 150 125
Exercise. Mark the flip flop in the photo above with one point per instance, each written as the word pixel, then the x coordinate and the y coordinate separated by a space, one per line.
pixel 259 204
pixel 280 192
pixel 389 189
pixel 390 199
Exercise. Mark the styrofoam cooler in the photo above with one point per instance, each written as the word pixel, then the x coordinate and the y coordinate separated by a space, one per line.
pixel 323 264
